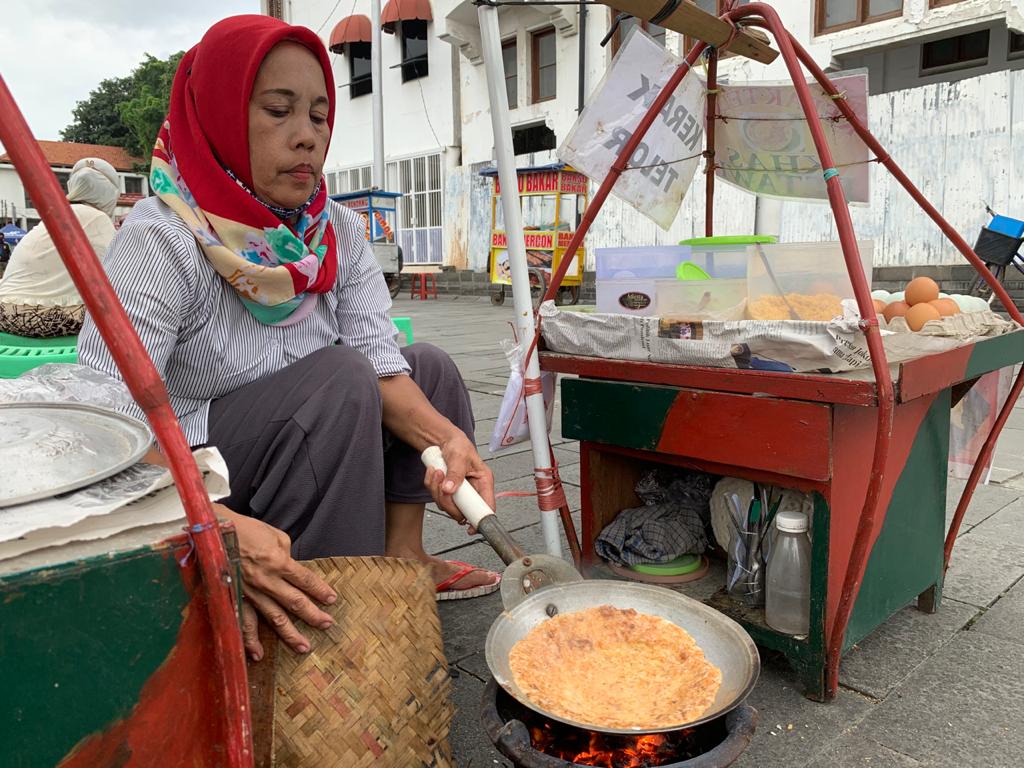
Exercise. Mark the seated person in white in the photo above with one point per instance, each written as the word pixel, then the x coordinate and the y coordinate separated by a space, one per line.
pixel 37 296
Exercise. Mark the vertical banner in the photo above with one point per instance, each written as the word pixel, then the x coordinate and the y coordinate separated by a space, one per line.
pixel 667 158
pixel 763 143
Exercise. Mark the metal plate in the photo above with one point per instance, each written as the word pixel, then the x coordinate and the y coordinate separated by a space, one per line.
pixel 724 642
pixel 51 448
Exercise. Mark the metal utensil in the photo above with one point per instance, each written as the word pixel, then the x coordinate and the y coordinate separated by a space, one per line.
pixel 775 281
pixel 724 642
pixel 738 519
pixel 47 449
pixel 525 573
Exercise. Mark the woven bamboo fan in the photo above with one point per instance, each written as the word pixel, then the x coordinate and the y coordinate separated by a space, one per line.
pixel 373 690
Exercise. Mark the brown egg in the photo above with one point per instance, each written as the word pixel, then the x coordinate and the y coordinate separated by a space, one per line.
pixel 879 306
pixel 895 309
pixel 919 314
pixel 946 307
pixel 921 290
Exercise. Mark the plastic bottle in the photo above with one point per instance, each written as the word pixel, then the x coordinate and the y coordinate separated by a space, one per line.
pixel 788 577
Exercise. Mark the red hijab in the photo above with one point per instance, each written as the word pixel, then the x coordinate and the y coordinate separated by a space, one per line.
pixel 206 132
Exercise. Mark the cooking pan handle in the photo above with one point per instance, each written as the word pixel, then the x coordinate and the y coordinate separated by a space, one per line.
pixel 476 511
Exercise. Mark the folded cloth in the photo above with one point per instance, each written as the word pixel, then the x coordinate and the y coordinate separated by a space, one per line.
pixel 653 534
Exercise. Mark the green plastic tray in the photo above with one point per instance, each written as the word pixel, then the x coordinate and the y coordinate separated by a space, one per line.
pixel 681 566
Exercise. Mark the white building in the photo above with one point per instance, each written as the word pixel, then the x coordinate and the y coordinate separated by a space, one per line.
pixel 16 205
pixel 421 134
pixel 944 75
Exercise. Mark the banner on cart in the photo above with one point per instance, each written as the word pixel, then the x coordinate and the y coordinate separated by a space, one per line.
pixel 662 167
pixel 763 143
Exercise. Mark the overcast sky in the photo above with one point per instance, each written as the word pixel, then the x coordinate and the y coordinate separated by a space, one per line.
pixel 53 52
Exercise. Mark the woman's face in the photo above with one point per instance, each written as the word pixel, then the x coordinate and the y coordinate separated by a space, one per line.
pixel 288 131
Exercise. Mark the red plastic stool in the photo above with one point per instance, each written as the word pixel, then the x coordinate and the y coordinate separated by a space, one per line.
pixel 424 286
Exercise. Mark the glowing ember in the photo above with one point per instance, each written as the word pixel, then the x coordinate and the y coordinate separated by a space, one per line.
pixel 582 747
pixel 612 751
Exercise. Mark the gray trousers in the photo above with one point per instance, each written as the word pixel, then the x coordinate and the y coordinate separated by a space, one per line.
pixel 307 453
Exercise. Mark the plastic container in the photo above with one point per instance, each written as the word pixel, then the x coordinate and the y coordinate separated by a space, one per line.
pixel 788 576
pixel 626 276
pixel 639 263
pixel 806 279
pixel 715 299
pixel 626 296
pixel 724 256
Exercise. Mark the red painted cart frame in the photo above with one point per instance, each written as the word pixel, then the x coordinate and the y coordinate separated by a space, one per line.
pixel 882 392
pixel 150 393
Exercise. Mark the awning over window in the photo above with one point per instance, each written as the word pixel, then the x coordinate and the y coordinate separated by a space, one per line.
pixel 351 29
pixel 404 10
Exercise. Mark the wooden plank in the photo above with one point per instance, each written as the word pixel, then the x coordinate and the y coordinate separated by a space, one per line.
pixel 791 386
pixel 608 481
pixel 787 437
pixel 928 375
pixel 690 20
pixel 716 468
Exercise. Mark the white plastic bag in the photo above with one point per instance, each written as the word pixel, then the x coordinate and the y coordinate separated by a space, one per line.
pixel 972 419
pixel 512 426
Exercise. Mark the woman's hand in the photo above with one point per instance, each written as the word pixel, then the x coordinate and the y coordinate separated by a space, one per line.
pixel 275 585
pixel 463 461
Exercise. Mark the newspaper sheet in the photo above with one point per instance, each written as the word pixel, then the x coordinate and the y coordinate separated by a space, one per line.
pixel 143 494
pixel 835 346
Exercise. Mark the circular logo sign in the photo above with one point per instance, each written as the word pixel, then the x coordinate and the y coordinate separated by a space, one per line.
pixel 635 300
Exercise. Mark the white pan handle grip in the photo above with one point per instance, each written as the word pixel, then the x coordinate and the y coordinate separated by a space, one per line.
pixel 469 502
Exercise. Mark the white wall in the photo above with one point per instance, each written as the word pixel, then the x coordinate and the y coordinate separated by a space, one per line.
pixel 917 21
pixel 417 114
pixel 13 193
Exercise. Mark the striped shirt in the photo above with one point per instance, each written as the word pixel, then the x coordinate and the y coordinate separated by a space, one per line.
pixel 203 341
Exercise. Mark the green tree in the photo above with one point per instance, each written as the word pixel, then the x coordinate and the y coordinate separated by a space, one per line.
pixel 96 119
pixel 144 112
pixel 126 111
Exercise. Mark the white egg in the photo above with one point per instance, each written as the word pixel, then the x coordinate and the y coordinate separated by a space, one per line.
pixel 898 296
pixel 943 295
pixel 881 295
pixel 978 304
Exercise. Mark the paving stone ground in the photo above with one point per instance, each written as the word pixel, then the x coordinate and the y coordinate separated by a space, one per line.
pixel 922 691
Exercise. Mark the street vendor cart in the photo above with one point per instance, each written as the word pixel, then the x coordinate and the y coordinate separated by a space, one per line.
pixel 870 447
pixel 379 210
pixel 552 198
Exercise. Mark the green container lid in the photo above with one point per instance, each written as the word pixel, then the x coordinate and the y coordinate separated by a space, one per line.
pixel 731 240
pixel 681 566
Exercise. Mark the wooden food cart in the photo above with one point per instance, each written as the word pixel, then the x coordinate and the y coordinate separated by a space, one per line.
pixel 811 433
pixel 552 198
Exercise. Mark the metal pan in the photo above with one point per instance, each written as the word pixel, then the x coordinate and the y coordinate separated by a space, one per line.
pixel 724 642
pixel 48 449
pixel 536 587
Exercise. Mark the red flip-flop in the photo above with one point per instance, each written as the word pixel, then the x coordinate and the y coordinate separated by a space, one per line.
pixel 445 589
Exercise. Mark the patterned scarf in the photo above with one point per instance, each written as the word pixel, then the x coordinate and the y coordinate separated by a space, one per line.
pixel 200 170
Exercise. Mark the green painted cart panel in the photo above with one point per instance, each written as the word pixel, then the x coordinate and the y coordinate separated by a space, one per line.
pixel 907 556
pixel 77 644
pixel 630 415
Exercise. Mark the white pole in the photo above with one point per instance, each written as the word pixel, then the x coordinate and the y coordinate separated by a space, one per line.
pixel 377 80
pixel 490 39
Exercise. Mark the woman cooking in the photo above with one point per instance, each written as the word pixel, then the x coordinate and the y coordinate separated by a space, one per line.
pixel 265 312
